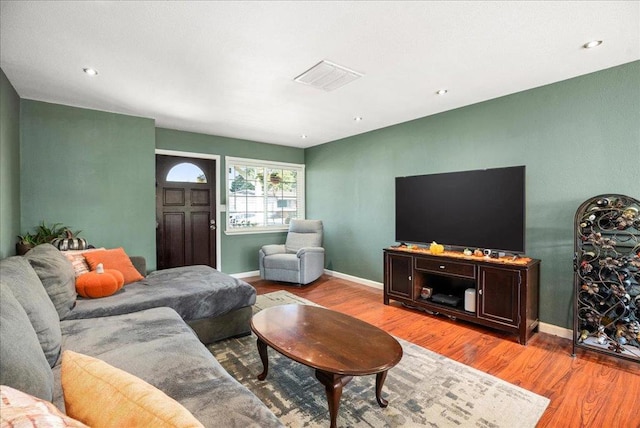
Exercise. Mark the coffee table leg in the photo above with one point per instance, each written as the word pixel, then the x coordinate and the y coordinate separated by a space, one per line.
pixel 262 350
pixel 333 384
pixel 380 378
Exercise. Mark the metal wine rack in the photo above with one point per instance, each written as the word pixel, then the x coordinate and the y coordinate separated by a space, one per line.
pixel 607 276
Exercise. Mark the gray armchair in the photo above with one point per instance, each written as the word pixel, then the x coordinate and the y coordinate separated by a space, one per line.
pixel 300 260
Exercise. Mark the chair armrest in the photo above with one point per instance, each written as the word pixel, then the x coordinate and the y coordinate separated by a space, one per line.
pixel 304 250
pixel 273 249
pixel 140 264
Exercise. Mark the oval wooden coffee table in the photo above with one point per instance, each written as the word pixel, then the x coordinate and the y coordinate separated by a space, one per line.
pixel 336 345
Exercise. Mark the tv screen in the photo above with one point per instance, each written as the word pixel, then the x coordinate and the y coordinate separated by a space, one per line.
pixel 474 209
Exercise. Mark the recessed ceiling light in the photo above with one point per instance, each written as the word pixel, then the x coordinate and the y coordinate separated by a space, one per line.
pixel 441 91
pixel 303 136
pixel 592 44
pixel 357 118
pixel 90 71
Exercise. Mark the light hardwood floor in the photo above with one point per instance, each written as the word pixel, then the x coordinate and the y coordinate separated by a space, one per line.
pixel 590 390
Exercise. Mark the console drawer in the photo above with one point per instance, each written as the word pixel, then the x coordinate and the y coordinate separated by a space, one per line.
pixel 446 267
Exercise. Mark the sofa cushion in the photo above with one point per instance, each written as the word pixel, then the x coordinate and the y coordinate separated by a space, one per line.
pixel 195 292
pixel 101 395
pixel 26 287
pixel 24 410
pixel 157 346
pixel 56 274
pixel 76 257
pixel 95 285
pixel 23 365
pixel 80 266
pixel 116 259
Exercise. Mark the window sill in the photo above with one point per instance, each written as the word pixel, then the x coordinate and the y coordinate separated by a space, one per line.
pixel 256 230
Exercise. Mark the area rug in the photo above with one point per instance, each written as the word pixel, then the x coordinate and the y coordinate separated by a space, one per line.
pixel 424 389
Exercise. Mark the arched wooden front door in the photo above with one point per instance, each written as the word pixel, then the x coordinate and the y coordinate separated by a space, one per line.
pixel 185 211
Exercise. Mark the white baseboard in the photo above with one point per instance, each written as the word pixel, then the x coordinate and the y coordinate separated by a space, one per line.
pixel 352 278
pixel 555 330
pixel 543 327
pixel 241 275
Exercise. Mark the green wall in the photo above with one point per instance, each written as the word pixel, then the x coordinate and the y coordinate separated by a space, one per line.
pixel 9 167
pixel 239 252
pixel 95 171
pixel 578 138
pixel 91 170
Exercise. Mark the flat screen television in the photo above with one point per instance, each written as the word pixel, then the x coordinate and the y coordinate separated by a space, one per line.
pixel 474 209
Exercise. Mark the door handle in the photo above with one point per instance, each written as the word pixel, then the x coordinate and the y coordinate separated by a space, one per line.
pixel 212 225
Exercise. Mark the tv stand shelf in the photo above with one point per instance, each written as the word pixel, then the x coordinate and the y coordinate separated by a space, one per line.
pixel 506 295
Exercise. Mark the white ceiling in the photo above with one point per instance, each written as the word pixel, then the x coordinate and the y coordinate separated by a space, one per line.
pixel 227 68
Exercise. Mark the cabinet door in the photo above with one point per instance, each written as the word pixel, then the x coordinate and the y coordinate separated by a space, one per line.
pixel 399 280
pixel 499 295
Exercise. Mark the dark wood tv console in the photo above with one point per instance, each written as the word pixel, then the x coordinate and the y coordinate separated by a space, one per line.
pixel 506 290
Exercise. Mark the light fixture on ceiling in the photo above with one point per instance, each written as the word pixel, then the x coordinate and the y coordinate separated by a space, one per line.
pixel 303 136
pixel 358 118
pixel 441 91
pixel 90 71
pixel 328 76
pixel 592 44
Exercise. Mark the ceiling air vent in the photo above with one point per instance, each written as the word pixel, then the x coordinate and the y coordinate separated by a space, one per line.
pixel 327 76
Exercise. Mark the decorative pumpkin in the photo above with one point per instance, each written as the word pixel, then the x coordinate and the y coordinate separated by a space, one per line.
pixel 94 284
pixel 436 248
pixel 69 242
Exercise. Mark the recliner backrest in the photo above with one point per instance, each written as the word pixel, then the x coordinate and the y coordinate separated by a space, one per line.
pixel 303 233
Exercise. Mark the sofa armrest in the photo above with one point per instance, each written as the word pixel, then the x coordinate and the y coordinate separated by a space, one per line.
pixel 304 250
pixel 140 264
pixel 273 249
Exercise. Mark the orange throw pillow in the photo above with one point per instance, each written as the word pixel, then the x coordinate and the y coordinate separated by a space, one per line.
pixel 94 284
pixel 103 396
pixel 114 259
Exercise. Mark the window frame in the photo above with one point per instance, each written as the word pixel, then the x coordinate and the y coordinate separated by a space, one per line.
pixel 257 163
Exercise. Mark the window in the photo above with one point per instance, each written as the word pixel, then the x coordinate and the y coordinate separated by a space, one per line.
pixel 186 173
pixel 263 196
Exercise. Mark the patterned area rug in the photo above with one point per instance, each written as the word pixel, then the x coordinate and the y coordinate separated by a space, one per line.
pixel 424 389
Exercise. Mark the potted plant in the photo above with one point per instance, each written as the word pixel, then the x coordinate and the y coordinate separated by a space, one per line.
pixel 25 243
pixel 44 234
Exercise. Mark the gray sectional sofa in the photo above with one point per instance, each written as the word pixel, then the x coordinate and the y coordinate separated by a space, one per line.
pixel 149 329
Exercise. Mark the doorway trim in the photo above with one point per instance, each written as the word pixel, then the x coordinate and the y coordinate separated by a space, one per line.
pixel 217 158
